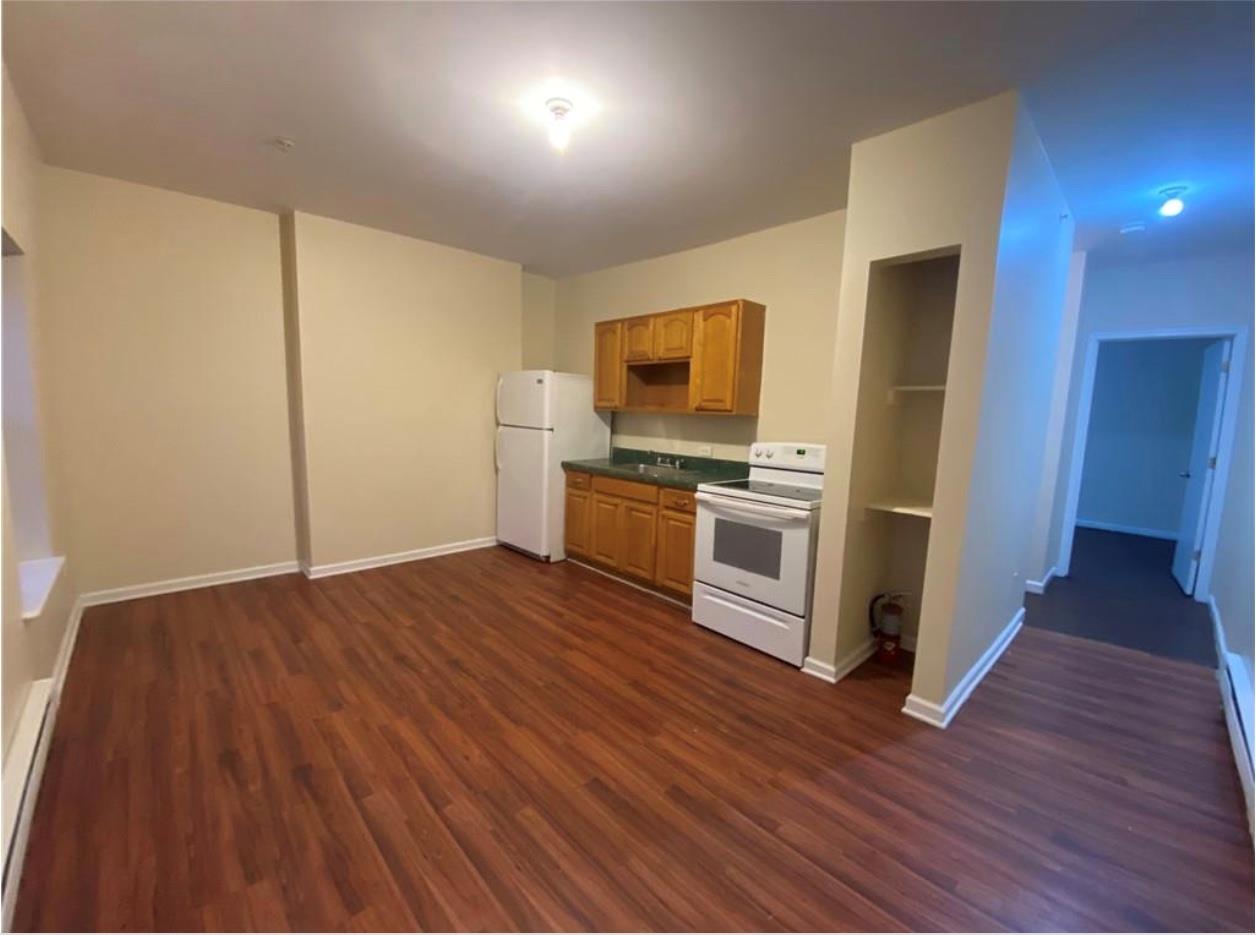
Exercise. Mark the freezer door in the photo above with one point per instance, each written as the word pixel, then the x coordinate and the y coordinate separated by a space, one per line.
pixel 522 492
pixel 524 399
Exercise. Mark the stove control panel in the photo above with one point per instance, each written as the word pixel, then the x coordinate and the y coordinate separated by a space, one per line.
pixel 792 456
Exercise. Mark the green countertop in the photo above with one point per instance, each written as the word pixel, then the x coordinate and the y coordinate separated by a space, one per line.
pixel 623 463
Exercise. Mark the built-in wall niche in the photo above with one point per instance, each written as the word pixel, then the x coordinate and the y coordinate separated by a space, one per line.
pixel 907 345
pixel 898 423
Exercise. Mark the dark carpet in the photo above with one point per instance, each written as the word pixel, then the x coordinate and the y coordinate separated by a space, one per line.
pixel 1121 590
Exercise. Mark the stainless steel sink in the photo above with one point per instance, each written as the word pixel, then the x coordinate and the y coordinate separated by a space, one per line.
pixel 658 470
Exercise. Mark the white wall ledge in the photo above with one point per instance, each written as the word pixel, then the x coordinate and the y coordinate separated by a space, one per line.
pixel 36 578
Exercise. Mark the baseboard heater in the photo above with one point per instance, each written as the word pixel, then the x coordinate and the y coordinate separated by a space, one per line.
pixel 23 769
pixel 1236 687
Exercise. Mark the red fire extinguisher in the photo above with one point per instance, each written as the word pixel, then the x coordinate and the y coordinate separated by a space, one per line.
pixel 885 617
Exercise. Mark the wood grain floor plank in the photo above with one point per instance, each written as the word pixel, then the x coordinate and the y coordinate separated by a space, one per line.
pixel 482 742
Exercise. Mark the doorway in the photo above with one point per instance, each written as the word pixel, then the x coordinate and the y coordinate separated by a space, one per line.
pixel 1151 454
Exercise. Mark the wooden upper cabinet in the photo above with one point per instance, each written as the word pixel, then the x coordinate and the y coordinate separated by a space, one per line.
pixel 727 358
pixel 608 366
pixel 673 335
pixel 707 359
pixel 714 379
pixel 639 338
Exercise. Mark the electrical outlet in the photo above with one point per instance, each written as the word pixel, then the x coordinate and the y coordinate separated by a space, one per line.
pixel 704 451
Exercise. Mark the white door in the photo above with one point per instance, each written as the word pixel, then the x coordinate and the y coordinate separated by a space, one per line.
pixel 524 399
pixel 522 491
pixel 755 550
pixel 1203 465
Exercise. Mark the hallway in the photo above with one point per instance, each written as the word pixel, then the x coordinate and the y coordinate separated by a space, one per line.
pixel 1121 591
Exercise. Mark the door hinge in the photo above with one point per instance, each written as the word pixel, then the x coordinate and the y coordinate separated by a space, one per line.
pixel 1225 366
pixel 1212 463
pixel 1197 554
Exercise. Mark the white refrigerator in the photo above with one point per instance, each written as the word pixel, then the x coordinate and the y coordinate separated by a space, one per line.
pixel 543 419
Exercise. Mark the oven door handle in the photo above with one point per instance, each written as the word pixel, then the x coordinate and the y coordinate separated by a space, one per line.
pixel 751 509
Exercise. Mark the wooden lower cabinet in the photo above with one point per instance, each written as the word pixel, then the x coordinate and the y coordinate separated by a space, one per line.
pixel 632 528
pixel 623 535
pixel 578 520
pixel 636 539
pixel 604 541
pixel 673 561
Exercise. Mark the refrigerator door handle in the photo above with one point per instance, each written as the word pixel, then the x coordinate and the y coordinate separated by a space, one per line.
pixel 497 399
pixel 497 450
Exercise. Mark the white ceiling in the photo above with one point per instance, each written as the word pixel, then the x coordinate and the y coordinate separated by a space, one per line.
pixel 717 118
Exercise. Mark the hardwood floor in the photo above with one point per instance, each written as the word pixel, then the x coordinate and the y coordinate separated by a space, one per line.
pixel 479 741
pixel 1121 590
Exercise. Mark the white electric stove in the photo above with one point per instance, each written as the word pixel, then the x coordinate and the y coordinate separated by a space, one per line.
pixel 754 550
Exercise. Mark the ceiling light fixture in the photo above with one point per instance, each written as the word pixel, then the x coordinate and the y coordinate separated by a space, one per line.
pixel 560 109
pixel 1173 204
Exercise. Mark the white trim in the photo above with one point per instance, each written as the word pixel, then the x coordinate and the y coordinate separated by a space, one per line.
pixel 36 579
pixel 941 715
pixel 632 584
pixel 1233 683
pixel 16 848
pixel 395 558
pixel 190 583
pixel 820 670
pixel 1040 587
pixel 1225 446
pixel 844 667
pixel 1170 534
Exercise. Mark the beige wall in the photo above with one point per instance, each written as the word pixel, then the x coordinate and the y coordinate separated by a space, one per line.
pixel 792 269
pixel 1031 279
pixel 401 344
pixel 540 297
pixel 22 162
pixel 1203 292
pixel 1041 561
pixel 936 184
pixel 1232 573
pixel 29 646
pixel 161 328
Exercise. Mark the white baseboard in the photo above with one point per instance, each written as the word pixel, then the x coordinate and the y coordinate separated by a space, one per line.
pixel 1040 587
pixel 941 715
pixel 396 558
pixel 1233 681
pixel 190 583
pixel 844 666
pixel 1129 530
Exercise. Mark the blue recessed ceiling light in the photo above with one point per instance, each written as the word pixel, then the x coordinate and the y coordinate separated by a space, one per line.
pixel 1173 204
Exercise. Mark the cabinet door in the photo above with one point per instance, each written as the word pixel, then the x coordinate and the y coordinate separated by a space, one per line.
pixel 577 521
pixel 714 373
pixel 608 365
pixel 673 567
pixel 604 535
pixel 637 532
pixel 673 336
pixel 639 339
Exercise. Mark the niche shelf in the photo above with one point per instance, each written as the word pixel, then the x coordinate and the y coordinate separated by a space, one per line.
pixel 904 506
pixel 915 391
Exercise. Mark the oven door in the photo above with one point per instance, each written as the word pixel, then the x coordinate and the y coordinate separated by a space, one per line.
pixel 754 550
